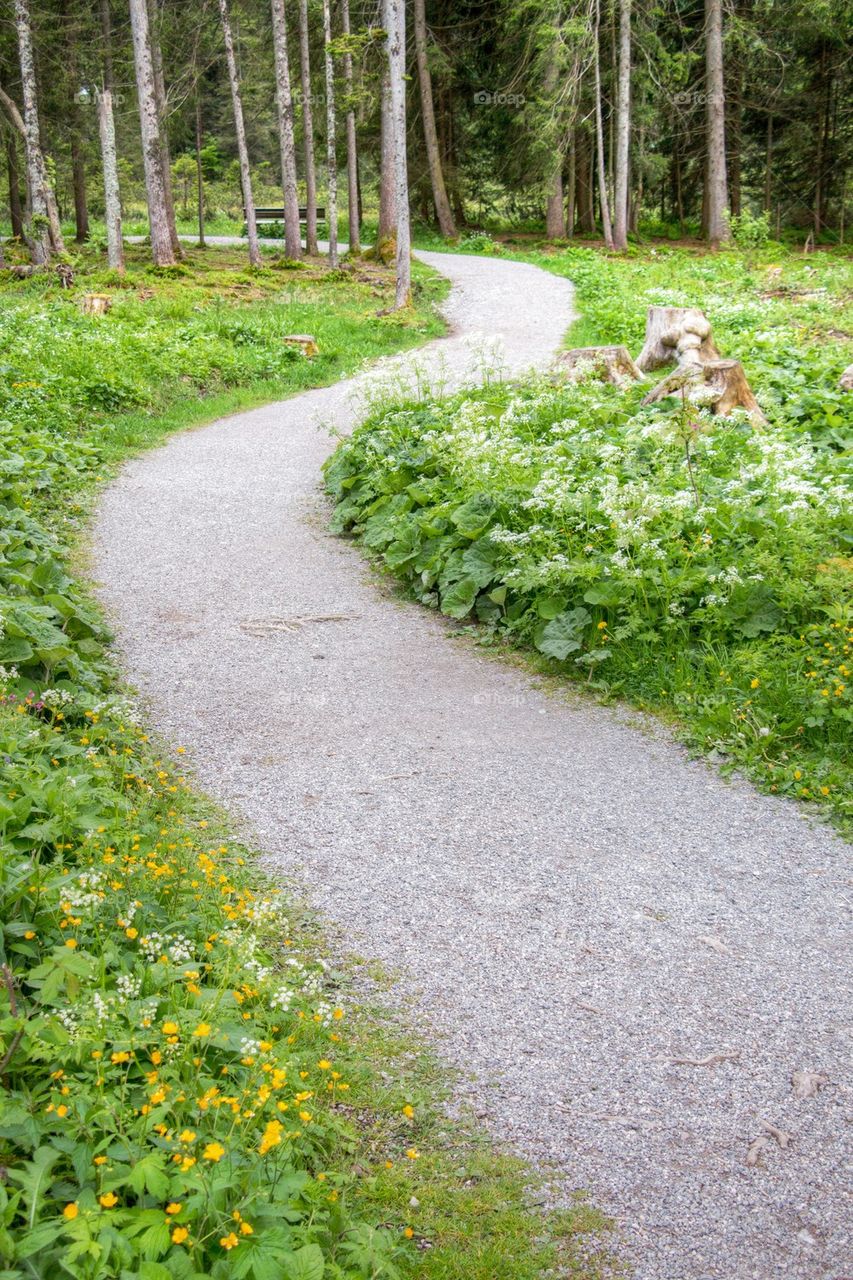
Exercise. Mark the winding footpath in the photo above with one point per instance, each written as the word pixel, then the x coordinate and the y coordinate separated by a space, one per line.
pixel 630 956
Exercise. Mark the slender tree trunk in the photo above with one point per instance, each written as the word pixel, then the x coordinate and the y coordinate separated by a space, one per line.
pixel 331 139
pixel 394 15
pixel 623 129
pixel 44 235
pixel 353 197
pixel 768 164
pixel 107 43
pixel 16 212
pixel 599 133
pixel 446 224
pixel 160 97
pixel 387 182
pixel 240 130
pixel 287 141
pixel 199 171
pixel 717 223
pixel 734 111
pixel 570 184
pixel 586 217
pixel 112 197
pixel 555 220
pixel 308 131
pixel 77 130
pixel 158 213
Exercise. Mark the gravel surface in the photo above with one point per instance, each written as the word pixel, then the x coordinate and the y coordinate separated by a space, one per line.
pixel 632 955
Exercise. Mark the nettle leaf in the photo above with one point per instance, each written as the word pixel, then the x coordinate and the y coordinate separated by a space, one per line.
pixel 563 634
pixel 473 517
pixel 459 599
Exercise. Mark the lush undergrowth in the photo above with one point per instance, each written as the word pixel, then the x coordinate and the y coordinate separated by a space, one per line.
pixel 186 1088
pixel 690 563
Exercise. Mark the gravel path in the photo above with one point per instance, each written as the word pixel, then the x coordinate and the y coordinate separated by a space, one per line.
pixel 632 955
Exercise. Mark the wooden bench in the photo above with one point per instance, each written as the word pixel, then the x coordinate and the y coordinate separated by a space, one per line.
pixel 277 215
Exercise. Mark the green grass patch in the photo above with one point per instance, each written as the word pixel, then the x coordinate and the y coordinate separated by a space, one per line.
pixel 691 564
pixel 189 1089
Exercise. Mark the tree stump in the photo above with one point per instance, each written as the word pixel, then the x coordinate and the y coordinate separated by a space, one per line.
pixel 96 304
pixel 305 343
pixel 608 364
pixel 845 382
pixel 681 334
pixel 719 384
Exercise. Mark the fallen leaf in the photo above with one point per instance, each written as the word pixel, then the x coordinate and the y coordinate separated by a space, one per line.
pixel 780 1135
pixel 715 944
pixel 807 1083
pixel 756 1147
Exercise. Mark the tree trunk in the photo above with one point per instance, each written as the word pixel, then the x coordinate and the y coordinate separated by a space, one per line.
pixel 77 129
pixel 733 149
pixel 623 129
pixel 570 185
pixel 112 197
pixel 387 189
pixel 555 220
pixel 44 235
pixel 158 213
pixel 107 43
pixel 768 164
pixel 394 15
pixel 287 141
pixel 586 216
pixel 331 139
pixel 599 133
pixel 308 131
pixel 199 172
pixel 240 130
pixel 717 223
pixel 353 200
pixel 446 224
pixel 163 133
pixel 16 212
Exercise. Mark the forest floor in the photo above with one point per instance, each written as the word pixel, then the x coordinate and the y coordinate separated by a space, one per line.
pixel 635 960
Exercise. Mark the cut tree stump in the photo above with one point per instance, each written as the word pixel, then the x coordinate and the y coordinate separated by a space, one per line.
pixel 719 384
pixel 608 364
pixel 676 334
pixel 304 341
pixel 845 382
pixel 96 304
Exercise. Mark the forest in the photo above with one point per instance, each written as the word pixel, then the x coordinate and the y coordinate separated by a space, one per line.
pixel 621 119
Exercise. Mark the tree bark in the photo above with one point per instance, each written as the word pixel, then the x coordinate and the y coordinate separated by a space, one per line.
pixel 599 133
pixel 158 214
pixel 331 139
pixel 287 141
pixel 555 218
pixel 570 184
pixel 308 132
pixel 107 42
pixel 394 15
pixel 716 185
pixel 240 130
pixel 112 196
pixel 199 171
pixel 768 164
pixel 16 212
pixel 623 129
pixel 353 205
pixel 387 189
pixel 446 225
pixel 77 129
pixel 160 97
pixel 45 237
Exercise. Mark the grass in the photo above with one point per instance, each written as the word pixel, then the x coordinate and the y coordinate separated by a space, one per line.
pixel 192 1088
pixel 566 519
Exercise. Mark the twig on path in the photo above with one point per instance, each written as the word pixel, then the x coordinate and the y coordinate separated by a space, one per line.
pixel 722 1055
pixel 780 1135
